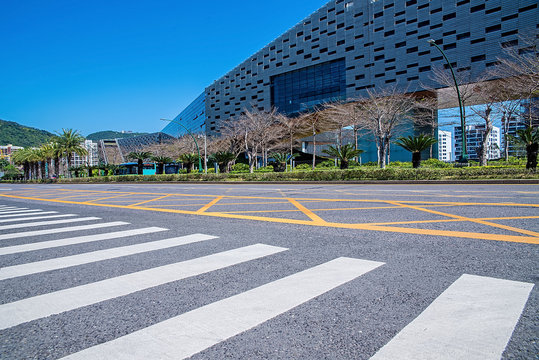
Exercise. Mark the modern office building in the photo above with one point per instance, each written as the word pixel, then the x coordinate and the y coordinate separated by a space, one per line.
pixel 474 139
pixel 350 46
pixel 445 148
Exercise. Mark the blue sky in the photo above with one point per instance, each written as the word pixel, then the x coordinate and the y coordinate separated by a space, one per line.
pixel 122 65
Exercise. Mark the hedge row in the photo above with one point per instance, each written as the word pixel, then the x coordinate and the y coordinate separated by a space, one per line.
pixel 469 173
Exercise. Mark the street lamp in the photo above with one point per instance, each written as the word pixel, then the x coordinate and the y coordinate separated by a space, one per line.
pixel 464 157
pixel 196 144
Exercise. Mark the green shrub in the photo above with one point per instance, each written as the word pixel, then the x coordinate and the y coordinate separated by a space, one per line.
pixel 240 167
pixel 435 163
pixel 370 163
pixel 326 164
pixel 400 164
pixel 265 169
pixel 303 167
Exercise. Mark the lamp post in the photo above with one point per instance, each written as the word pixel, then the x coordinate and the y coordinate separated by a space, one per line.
pixel 464 157
pixel 196 144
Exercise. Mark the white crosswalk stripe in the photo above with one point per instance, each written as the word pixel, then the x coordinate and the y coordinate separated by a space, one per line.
pixel 5 208
pixel 2 213
pixel 37 307
pixel 14 210
pixel 30 214
pixel 35 218
pixel 206 326
pixel 60 230
pixel 46 223
pixel 77 240
pixel 473 319
pixel 85 258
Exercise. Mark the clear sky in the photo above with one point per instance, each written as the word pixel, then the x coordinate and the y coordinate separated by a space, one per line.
pixel 124 64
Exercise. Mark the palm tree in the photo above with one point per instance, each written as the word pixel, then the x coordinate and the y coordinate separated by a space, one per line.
pixel 188 160
pixel 416 144
pixel 49 153
pixel 223 159
pixel 161 161
pixel 22 157
pixel 345 153
pixel 280 160
pixel 69 142
pixel 530 138
pixel 140 156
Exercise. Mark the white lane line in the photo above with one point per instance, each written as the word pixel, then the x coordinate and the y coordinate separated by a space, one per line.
pixel 76 240
pixel 46 223
pixel 31 214
pixel 472 319
pixel 11 210
pixel 187 334
pixel 36 218
pixel 61 230
pixel 5 208
pixel 64 262
pixel 37 307
pixel 4 213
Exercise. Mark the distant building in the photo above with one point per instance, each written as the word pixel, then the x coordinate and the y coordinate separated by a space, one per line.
pixel 91 159
pixel 474 139
pixel 445 147
pixel 7 150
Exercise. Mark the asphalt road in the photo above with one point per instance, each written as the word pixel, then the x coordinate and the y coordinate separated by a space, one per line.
pixel 280 272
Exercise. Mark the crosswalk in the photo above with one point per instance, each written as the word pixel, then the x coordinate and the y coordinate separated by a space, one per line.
pixel 473 318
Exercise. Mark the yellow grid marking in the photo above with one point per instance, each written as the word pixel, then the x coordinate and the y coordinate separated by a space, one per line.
pixel 209 205
pixel 109 197
pixel 370 227
pixel 463 218
pixel 315 218
pixel 148 201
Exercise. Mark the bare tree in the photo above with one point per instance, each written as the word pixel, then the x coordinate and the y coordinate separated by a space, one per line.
pixel 484 111
pixel 259 133
pixel 292 127
pixel 425 116
pixel 383 113
pixel 519 69
pixel 314 123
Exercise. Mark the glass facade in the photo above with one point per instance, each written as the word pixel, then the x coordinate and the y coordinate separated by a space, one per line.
pixel 193 118
pixel 300 90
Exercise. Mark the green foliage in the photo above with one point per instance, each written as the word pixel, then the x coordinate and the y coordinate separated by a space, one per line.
pixel 240 167
pixel 435 163
pixel 303 167
pixel 400 164
pixel 139 155
pixel 345 153
pixel 416 144
pixel 3 163
pixel 106 135
pixel 527 136
pixel 19 135
pixel 11 173
pixel 328 164
pixel 265 169
pixel 360 174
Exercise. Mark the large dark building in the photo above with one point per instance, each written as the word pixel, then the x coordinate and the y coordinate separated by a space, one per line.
pixel 349 46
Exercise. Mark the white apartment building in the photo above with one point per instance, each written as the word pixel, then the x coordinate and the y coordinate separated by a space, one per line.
pixel 445 147
pixel 474 139
pixel 90 159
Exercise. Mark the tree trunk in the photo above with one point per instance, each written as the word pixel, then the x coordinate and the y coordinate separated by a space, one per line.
pixel 416 159
pixel 314 150
pixel 484 144
pixel 140 167
pixel 531 156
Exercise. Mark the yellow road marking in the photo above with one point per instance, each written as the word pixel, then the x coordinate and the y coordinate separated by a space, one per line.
pixel 148 201
pixel 505 227
pixel 209 205
pixel 496 237
pixel 110 197
pixel 309 213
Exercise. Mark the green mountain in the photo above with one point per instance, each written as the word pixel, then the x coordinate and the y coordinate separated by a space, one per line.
pixel 103 135
pixel 20 135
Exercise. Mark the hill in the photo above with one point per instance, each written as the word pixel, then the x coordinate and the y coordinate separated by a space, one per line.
pixel 20 135
pixel 102 135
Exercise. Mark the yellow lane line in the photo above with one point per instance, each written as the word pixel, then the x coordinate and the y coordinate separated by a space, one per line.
pixel 463 218
pixel 110 197
pixel 209 205
pixel 458 234
pixel 74 196
pixel 148 201
pixel 309 213
pixel 296 210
